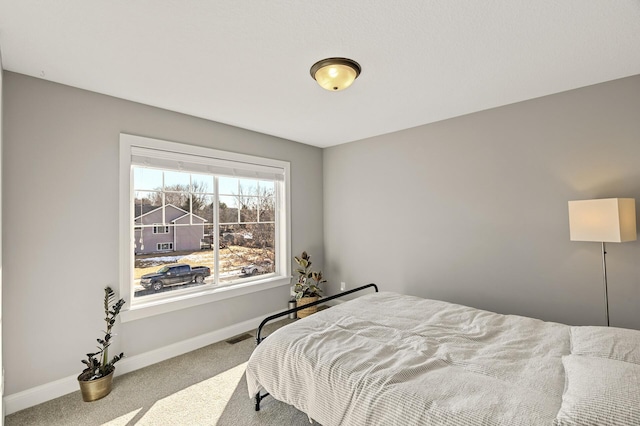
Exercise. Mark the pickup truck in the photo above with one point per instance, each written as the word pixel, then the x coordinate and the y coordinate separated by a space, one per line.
pixel 177 274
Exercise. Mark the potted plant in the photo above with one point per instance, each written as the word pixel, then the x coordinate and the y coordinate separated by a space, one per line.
pixel 96 380
pixel 307 289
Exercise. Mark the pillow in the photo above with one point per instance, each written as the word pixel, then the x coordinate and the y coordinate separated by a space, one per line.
pixel 606 342
pixel 599 392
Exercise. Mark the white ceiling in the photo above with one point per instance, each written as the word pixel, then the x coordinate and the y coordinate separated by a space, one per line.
pixel 246 63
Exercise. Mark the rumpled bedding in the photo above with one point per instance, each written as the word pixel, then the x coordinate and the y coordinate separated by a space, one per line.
pixel 392 359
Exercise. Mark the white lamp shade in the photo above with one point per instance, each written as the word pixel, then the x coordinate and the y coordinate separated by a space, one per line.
pixel 608 220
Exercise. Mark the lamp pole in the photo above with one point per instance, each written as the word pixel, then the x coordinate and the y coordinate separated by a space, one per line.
pixel 604 276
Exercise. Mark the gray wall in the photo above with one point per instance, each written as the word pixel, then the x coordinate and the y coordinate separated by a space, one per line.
pixel 60 218
pixel 473 210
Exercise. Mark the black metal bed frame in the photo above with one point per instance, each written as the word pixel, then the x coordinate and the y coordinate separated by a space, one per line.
pixel 259 339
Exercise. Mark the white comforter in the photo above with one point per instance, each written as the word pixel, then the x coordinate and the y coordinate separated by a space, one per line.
pixel 391 359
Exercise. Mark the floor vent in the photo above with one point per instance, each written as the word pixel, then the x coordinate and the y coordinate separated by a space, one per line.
pixel 239 338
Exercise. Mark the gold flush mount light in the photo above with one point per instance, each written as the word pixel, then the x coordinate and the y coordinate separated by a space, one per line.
pixel 335 74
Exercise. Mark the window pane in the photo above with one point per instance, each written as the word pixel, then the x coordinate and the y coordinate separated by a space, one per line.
pixel 263 235
pixel 176 181
pixel 249 209
pixel 248 187
pixel 181 245
pixel 228 209
pixel 179 200
pixel 145 202
pixel 234 235
pixel 144 178
pixel 228 186
pixel 267 188
pixel 245 248
pixel 203 206
pixel 208 237
pixel 202 183
pixel 267 209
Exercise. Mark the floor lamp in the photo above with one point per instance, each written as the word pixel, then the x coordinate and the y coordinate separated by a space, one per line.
pixel 609 220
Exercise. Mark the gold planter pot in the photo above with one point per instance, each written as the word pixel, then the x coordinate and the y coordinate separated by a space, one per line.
pixel 93 390
pixel 307 311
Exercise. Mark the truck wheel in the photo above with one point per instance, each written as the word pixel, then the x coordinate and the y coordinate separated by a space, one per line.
pixel 156 285
pixel 199 279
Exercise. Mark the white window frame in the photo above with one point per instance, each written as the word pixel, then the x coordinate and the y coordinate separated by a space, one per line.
pixel 181 299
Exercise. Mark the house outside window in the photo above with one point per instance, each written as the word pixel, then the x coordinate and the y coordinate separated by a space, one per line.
pixel 206 210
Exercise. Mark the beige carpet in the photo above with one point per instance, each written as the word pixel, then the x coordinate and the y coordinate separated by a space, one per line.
pixel 203 387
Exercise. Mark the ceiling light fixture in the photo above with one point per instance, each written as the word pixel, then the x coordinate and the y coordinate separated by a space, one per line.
pixel 335 74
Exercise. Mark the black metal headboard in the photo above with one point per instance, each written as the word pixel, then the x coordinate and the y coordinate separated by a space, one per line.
pixel 289 311
pixel 258 396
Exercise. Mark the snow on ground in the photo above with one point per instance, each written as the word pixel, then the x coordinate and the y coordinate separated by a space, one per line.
pixel 162 260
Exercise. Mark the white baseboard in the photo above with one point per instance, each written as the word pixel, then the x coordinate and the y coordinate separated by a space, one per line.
pixel 39 394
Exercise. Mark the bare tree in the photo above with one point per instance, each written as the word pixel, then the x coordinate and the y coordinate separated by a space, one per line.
pixel 180 196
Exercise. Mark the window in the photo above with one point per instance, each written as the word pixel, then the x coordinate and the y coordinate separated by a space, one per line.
pixel 160 229
pixel 211 212
pixel 164 246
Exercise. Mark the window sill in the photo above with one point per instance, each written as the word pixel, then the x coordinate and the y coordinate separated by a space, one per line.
pixel 148 309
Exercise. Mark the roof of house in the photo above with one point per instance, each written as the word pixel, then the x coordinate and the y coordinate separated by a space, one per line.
pixel 186 213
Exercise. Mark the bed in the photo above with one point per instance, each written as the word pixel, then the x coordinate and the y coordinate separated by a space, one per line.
pixel 392 359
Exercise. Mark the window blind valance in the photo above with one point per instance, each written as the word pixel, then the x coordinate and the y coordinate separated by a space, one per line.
pixel 160 159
